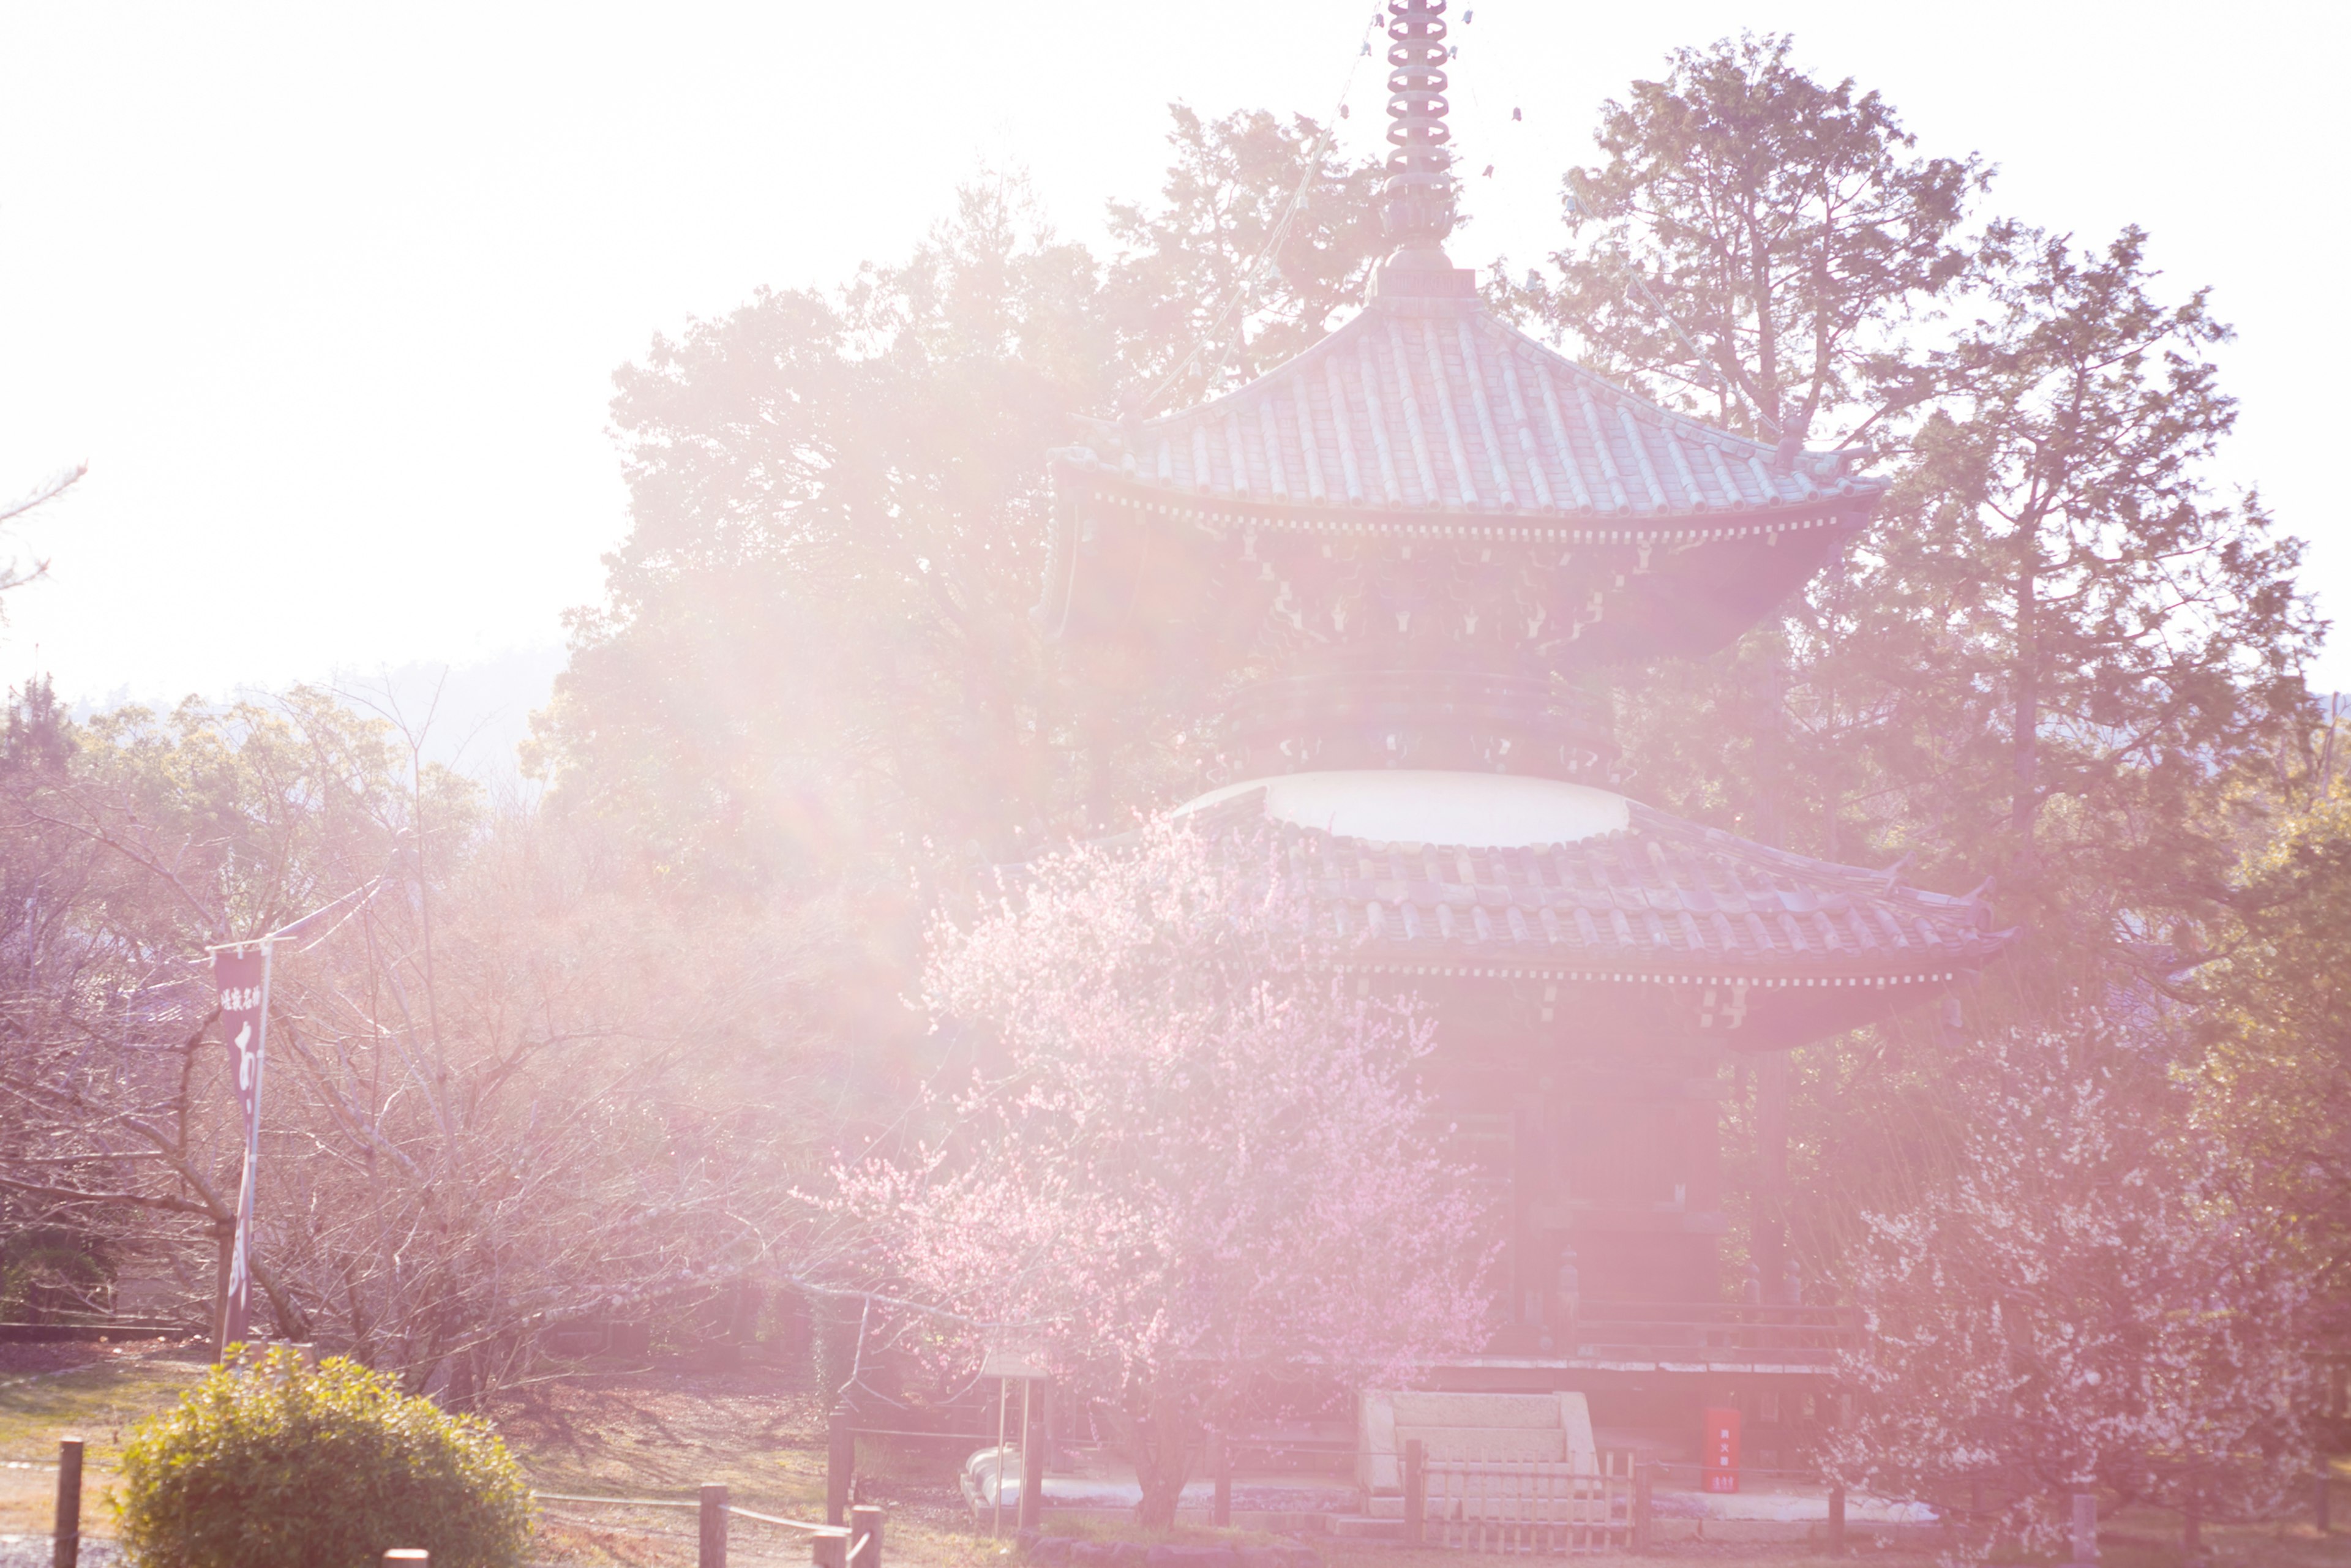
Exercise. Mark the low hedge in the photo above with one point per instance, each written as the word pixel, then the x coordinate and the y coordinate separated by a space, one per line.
pixel 280 1464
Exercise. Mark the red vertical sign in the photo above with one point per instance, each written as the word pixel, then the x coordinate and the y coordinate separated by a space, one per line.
pixel 241 977
pixel 1721 1450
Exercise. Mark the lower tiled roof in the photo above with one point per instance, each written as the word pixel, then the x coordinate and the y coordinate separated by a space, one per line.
pixel 1663 900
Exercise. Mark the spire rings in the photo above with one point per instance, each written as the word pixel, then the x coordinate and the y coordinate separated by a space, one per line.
pixel 1416 124
pixel 1419 187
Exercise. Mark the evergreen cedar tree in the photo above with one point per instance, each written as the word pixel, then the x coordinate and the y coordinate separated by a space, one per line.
pixel 1755 245
pixel 2058 656
pixel 1186 1157
pixel 816 660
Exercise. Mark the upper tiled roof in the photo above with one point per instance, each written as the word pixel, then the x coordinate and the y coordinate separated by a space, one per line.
pixel 1664 899
pixel 1428 402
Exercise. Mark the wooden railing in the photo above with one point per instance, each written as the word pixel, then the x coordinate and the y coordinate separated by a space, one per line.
pixel 1496 1505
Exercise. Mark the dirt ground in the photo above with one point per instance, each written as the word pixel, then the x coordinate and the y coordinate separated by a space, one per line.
pixel 660 1431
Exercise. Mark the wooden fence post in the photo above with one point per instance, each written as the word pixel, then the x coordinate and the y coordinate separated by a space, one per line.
pixel 1220 1475
pixel 1836 1519
pixel 829 1549
pixel 2322 1499
pixel 1643 1483
pixel 67 1549
pixel 840 1466
pixel 2191 1526
pixel 1032 1455
pixel 865 1536
pixel 1415 1492
pixel 2086 1530
pixel 714 1526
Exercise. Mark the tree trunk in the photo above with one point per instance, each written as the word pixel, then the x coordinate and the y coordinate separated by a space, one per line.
pixel 1767 332
pixel 2024 803
pixel 1153 1428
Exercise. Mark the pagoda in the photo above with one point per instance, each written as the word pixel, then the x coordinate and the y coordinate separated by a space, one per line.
pixel 1395 575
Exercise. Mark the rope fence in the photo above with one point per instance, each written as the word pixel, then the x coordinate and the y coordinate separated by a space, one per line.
pixel 857 1543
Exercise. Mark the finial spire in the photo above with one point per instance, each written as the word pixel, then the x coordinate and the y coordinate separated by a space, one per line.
pixel 1419 207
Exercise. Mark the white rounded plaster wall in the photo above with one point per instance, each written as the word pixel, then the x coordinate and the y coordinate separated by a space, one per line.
pixel 1403 806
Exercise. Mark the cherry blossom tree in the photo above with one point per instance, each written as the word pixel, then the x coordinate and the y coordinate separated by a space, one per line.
pixel 2087 1303
pixel 1187 1157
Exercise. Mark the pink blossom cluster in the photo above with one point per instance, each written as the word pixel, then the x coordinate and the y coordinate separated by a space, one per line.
pixel 1187 1155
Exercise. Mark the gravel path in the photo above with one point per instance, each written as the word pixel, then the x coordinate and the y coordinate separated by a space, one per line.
pixel 35 1551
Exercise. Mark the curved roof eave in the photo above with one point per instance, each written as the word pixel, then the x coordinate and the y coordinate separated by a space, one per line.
pixel 1419 406
pixel 1662 901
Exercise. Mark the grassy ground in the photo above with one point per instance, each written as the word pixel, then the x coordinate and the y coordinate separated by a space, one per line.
pixel 661 1432
pixel 92 1392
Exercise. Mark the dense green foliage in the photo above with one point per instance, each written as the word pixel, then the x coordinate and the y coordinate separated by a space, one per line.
pixel 2273 1078
pixel 1755 243
pixel 815 666
pixel 281 1464
pixel 2061 659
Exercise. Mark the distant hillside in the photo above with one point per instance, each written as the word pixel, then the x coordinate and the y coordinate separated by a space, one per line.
pixel 471 716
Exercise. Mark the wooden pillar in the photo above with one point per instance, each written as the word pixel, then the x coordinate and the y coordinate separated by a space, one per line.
pixel 1220 1475
pixel 828 1548
pixel 1644 1485
pixel 865 1536
pixel 67 1535
pixel 1770 1199
pixel 712 1553
pixel 225 1245
pixel 1836 1519
pixel 2086 1530
pixel 2322 1499
pixel 1415 1492
pixel 839 1465
pixel 1702 1167
pixel 1032 1454
pixel 1527 1287
pixel 996 1475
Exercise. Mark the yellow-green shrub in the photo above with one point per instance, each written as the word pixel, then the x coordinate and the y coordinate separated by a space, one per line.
pixel 281 1464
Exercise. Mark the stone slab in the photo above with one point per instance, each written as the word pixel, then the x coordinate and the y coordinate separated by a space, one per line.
pixel 1489 1410
pixel 1524 1444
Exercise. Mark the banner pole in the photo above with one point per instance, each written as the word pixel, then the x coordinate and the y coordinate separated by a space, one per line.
pixel 252 1142
pixel 245 999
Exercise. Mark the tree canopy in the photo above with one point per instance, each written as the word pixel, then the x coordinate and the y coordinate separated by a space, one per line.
pixel 1184 1163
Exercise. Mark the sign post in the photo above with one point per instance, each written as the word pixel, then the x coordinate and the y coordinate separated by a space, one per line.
pixel 241 979
pixel 241 984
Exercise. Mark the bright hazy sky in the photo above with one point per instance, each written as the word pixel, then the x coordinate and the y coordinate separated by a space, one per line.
pixel 329 296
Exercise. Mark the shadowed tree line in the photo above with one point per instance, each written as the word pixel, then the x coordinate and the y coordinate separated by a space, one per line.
pixel 812 703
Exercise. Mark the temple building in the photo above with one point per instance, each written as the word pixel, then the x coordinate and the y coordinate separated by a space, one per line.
pixel 1398 573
